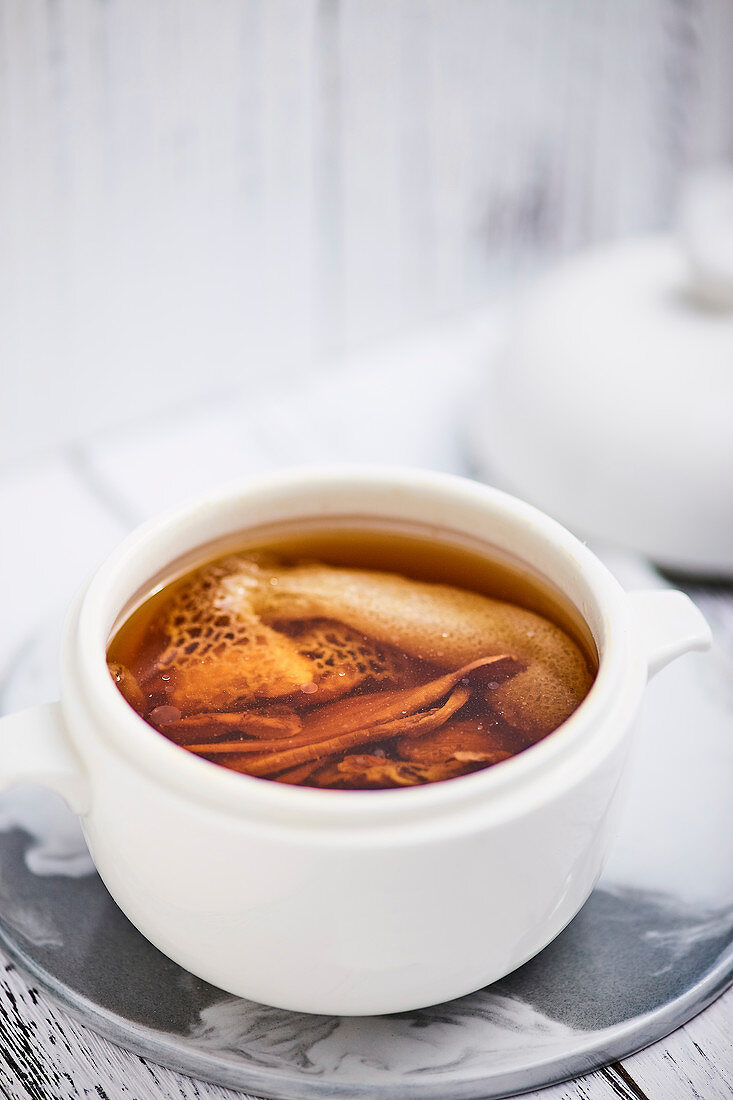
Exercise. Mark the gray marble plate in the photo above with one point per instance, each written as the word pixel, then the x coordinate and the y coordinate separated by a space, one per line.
pixel 653 945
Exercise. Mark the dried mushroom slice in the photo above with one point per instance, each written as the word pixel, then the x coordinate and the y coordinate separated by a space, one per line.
pixel 470 740
pixel 220 651
pixel 256 725
pixel 223 655
pixel 342 659
pixel 364 772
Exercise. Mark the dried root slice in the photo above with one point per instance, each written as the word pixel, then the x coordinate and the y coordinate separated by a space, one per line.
pixel 456 748
pixel 366 772
pixel 470 740
pixel 298 776
pixel 377 710
pixel 253 724
pixel 128 685
pixel 272 764
pixel 381 707
pixel 409 714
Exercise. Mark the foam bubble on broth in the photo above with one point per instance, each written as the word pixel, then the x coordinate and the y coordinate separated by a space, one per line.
pixel 328 675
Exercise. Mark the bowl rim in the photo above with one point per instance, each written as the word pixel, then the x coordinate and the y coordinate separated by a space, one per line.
pixel 540 772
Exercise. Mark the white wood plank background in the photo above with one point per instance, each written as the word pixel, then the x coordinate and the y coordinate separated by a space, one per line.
pixel 192 194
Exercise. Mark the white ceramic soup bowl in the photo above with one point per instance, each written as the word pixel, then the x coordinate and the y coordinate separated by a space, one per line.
pixel 349 902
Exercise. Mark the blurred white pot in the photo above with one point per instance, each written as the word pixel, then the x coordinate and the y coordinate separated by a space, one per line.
pixel 612 405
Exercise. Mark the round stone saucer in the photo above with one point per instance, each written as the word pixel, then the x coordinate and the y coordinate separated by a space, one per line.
pixel 652 947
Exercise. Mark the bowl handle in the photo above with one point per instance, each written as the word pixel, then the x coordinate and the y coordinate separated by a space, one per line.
pixel 669 623
pixel 35 749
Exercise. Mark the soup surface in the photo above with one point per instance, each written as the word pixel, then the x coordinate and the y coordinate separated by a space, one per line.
pixel 351 658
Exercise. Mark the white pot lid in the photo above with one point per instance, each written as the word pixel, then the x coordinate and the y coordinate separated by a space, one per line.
pixel 611 406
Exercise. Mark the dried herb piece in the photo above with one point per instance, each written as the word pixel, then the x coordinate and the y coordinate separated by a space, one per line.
pixel 368 711
pixel 375 772
pixel 271 764
pixel 462 739
pixel 128 685
pixel 263 726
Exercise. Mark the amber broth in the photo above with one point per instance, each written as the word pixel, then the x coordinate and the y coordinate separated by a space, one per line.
pixel 418 553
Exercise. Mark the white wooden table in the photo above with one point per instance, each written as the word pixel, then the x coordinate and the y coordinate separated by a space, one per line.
pixel 63 511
